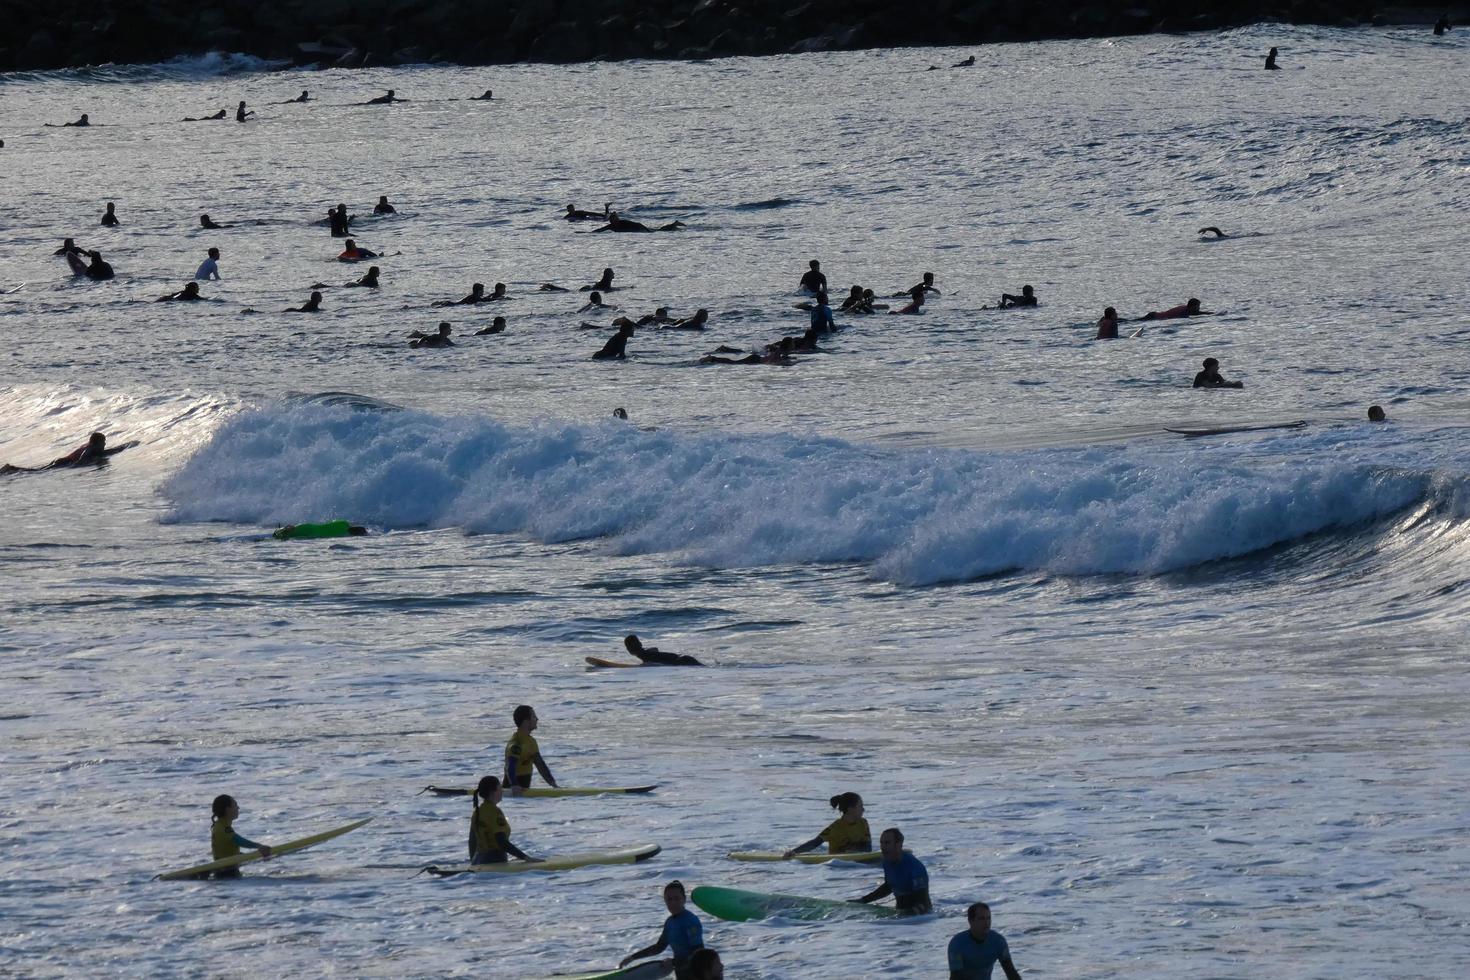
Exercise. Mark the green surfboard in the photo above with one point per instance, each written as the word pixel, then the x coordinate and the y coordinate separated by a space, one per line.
pixel 631 855
pixel 290 847
pixel 736 905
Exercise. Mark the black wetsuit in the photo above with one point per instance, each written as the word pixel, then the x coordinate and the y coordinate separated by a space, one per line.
pixel 653 655
pixel 99 270
pixel 614 349
pixel 814 281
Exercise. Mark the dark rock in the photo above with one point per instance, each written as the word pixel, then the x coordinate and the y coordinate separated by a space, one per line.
pixel 563 42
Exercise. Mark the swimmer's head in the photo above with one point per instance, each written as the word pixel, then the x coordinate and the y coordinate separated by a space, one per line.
pixel 214 253
pixel 1111 313
pixel 821 298
pixel 815 265
pixel 1192 306
pixel 316 297
pixel 1376 414
pixel 1211 364
pixel 928 278
pixel 622 413
pixel 631 643
pixel 477 288
pixel 1027 290
pixel 97 441
pixel 191 289
pixel 500 289
pixel 444 328
pixel 596 297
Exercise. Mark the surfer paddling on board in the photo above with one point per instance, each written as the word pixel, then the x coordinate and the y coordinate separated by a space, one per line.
pixel 223 840
pixel 848 834
pixel 522 753
pixel 94 451
pixel 974 953
pixel 653 656
pixel 1210 377
pixel 683 933
pixel 904 876
pixel 575 213
pixel 489 830
pixel 1179 312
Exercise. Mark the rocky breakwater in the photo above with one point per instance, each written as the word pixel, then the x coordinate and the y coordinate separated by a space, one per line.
pixel 71 33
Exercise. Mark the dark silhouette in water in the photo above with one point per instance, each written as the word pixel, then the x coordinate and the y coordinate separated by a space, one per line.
pixel 1440 27
pixel 615 348
pixel 1210 377
pixel 95 451
pixel 440 339
pixel 109 217
pixel 1271 64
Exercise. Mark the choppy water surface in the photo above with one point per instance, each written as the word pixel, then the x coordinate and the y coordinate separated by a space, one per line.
pixel 1175 706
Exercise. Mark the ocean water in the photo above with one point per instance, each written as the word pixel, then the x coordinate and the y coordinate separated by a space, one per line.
pixel 1176 706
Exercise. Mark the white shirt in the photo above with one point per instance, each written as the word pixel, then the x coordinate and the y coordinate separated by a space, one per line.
pixel 208 270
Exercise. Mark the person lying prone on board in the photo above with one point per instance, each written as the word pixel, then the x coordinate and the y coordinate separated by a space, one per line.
pixel 1188 309
pixel 653 656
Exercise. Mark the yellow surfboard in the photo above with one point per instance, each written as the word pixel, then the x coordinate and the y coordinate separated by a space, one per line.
pixel 290 847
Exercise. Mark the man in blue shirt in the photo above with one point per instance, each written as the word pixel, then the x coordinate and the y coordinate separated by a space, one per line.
pixel 682 933
pixel 904 877
pixel 974 952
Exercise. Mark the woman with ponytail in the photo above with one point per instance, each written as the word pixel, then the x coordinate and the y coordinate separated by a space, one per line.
pixel 848 834
pixel 223 841
pixel 489 830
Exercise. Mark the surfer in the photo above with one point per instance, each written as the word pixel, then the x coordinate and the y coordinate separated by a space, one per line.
pixel 83 121
pixel 351 253
pixel 1179 312
pixel 477 295
pixel 189 294
pixel 217 115
pixel 69 247
pixel 1212 230
pixel 209 268
pixel 605 283
pixel 94 451
pixel 223 840
pixel 822 319
pixel 1376 414
pixel 658 318
pixel 339 221
pixel 383 207
pixel 813 280
pixel 99 271
pixel 904 876
pixel 369 281
pixel 695 322
pixel 682 933
pixel 489 96
pixel 384 99
pixel 522 752
pixel 914 305
pixel 615 223
pixel 209 224
pixel 848 834
pixel 653 656
pixel 926 286
pixel 303 97
pixel 974 952
pixel 242 113
pixel 313 305
pixel 620 413
pixel 1107 325
pixel 109 217
pixel 705 965
pixel 1442 25
pixel 575 214
pixel 1027 298
pixel 616 347
pixel 1271 64
pixel 440 339
pixel 489 830
pixel 1210 377
pixel 594 302
pixel 496 326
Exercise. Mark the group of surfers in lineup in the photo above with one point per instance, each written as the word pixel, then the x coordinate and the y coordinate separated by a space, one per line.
pixel 972 954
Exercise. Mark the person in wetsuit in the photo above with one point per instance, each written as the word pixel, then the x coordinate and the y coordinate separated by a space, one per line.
pixel 927 286
pixel 489 96
pixel 218 115
pixel 99 271
pixel 369 281
pixel 658 318
pixel 1179 312
pixel 522 753
pixel 594 302
pixel 848 834
pixel 440 339
pixel 904 876
pixel 1271 64
pixel 605 283
pixel 616 347
pixel 1107 325
pixel 109 217
pixel 814 280
pixel 1212 230
pixel 351 253
pixel 384 99
pixel 497 294
pixel 209 224
pixel 69 247
pixel 822 319
pixel 695 322
pixel 223 840
pixel 338 221
pixel 974 953
pixel 93 451
pixel 1210 377
pixel 682 933
pixel 1442 25
pixel 496 326
pixel 313 305
pixel 303 97
pixel 615 223
pixel 489 830
pixel 241 113
pixel 574 214
pixel 1376 414
pixel 189 294
pixel 83 121
pixel 1027 298
pixel 967 63
pixel 477 295
pixel 656 657
pixel 383 207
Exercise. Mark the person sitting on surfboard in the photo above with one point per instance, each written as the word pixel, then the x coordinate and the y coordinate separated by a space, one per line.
pixel 109 217
pixel 814 280
pixel 489 830
pixel 915 303
pixel 1179 312
pixel 1210 377
pixel 848 834
pixel 209 268
pixel 683 933
pixel 705 965
pixel 605 283
pixel 383 207
pixel 974 952
pixel 1027 298
pixel 1107 325
pixel 223 841
pixel 904 876
pixel 369 281
pixel 99 270
pixel 616 348
pixel 522 752
pixel 656 657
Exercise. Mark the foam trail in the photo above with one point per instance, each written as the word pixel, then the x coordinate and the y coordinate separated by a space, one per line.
pixel 917 516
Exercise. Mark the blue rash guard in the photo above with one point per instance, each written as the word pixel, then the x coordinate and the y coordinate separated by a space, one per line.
pixel 822 319
pixel 909 880
pixel 683 934
pixel 973 959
